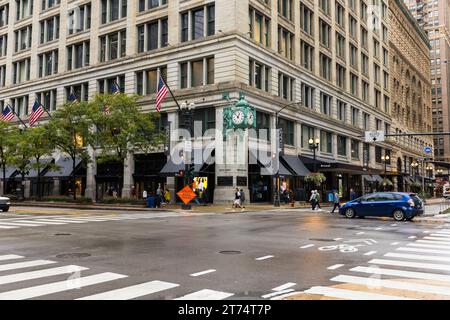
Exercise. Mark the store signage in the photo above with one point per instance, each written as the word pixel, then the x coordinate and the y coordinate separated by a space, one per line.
pixel 167 139
pixel 186 195
pixel 280 141
pixel 375 136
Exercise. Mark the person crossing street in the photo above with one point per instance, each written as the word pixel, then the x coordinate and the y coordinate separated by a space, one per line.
pixel 336 201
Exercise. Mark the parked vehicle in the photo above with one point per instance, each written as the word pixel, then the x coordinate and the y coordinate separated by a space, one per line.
pixel 446 191
pixel 5 204
pixel 400 206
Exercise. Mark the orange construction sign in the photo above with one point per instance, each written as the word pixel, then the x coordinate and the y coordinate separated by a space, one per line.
pixel 186 195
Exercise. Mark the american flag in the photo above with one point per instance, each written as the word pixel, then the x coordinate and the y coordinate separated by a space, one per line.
pixel 7 114
pixel 72 98
pixel 115 90
pixel 163 91
pixel 36 113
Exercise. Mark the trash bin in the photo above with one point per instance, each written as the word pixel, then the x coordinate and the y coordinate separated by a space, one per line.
pixel 151 202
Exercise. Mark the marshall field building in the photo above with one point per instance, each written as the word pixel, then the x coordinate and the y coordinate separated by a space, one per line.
pixel 325 71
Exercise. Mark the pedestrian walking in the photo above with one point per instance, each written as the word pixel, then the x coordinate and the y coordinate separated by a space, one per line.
pixel 144 195
pixel 336 201
pixel 318 201
pixel 313 199
pixel 167 196
pixel 159 193
pixel 237 199
pixel 242 198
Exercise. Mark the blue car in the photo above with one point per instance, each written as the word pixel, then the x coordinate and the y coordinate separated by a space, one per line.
pixel 400 206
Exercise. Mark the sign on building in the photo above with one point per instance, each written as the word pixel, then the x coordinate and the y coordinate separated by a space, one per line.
pixel 375 136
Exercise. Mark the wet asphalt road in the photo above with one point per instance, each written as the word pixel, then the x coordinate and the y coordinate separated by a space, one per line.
pixel 266 253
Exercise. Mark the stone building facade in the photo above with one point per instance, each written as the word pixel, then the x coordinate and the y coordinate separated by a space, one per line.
pixel 327 59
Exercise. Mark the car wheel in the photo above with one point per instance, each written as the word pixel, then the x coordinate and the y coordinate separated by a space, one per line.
pixel 350 213
pixel 399 215
pixel 5 210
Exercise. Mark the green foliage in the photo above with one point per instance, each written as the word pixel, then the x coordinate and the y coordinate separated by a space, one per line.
pixel 316 178
pixel 123 201
pixel 7 139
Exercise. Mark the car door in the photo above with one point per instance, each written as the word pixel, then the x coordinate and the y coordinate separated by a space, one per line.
pixel 384 205
pixel 365 207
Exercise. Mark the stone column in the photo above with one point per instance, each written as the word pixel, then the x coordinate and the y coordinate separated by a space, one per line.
pixel 91 172
pixel 27 189
pixel 395 182
pixel 128 171
pixel 56 187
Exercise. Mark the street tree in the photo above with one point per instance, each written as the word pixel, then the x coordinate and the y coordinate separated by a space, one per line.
pixel 7 133
pixel 21 155
pixel 121 127
pixel 70 128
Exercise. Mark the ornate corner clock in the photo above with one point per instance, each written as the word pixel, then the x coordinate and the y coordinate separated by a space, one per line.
pixel 239 116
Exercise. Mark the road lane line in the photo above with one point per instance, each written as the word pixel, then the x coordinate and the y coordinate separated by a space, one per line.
pixel 19 265
pixel 56 287
pixel 403 274
pixel 424 250
pixel 417 257
pixel 394 225
pixel 18 224
pixel 432 242
pixel 264 258
pixel 40 274
pixel 444 240
pixel 395 243
pixel 202 273
pixel 370 253
pixel 307 246
pixel 42 222
pixel 79 219
pixel 8 227
pixel 360 233
pixel 10 257
pixel 336 266
pixel 338 239
pixel 132 292
pixel 398 263
pixel 440 235
pixel 420 245
pixel 274 294
pixel 64 220
pixel 351 294
pixel 284 286
pixel 206 294
pixel 417 287
pixel 412 237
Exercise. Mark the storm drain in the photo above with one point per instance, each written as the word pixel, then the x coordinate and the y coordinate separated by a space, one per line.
pixel 72 255
pixel 323 240
pixel 230 252
pixel 63 234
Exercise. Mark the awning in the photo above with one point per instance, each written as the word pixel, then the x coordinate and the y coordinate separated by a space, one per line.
pixel 9 172
pixel 33 173
pixel 408 179
pixel 296 165
pixel 378 178
pixel 171 169
pixel 282 170
pixel 369 178
pixel 65 168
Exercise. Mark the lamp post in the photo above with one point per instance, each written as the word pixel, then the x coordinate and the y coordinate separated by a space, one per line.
pixel 415 166
pixel 430 171
pixel 276 198
pixel 314 145
pixel 385 159
pixel 439 172
pixel 187 114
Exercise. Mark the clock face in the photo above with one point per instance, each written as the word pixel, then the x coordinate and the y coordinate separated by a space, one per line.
pixel 250 118
pixel 238 117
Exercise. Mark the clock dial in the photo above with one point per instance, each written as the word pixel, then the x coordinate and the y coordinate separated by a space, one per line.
pixel 250 118
pixel 238 117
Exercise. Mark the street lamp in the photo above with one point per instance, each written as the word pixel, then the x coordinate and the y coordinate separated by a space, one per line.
pixel 385 159
pixel 187 114
pixel 415 166
pixel 430 171
pixel 314 145
pixel 439 172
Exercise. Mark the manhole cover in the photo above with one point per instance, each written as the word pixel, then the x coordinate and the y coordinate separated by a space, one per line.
pixel 63 234
pixel 72 255
pixel 323 240
pixel 230 252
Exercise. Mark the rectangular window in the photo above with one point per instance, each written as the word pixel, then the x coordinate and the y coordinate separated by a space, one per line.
pixel 365 91
pixel 47 4
pixel 81 91
pixel 49 29
pixel 355 149
pixel 307 134
pixel 352 27
pixel 145 5
pixel 24 9
pixel 341 111
pixel 355 117
pixel 21 71
pixel 366 121
pixel 354 84
pixel 79 19
pixel 106 85
pixel 353 57
pixel 4 15
pixel 285 87
pixel 112 10
pixel 340 76
pixel 197 73
pixel 47 99
pixel 342 146
pixel 325 6
pixel 308 96
pixel 325 67
pixel 340 46
pixel 2 75
pixel 285 43
pixel 378 154
pixel 147 81
pixel 23 38
pixel 324 35
pixel 48 63
pixel 364 41
pixel 306 19
pixel 285 8
pixel 340 15
pixel 364 64
pixel 202 23
pixel 377 99
pixel 307 55
pixel 325 103
pixel 259 75
pixel 20 105
pixel 3 45
pixel 288 130
pixel 326 142
pixel 78 55
pixel 112 46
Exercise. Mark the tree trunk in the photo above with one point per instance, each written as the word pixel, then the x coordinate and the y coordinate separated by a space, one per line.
pixel 38 189
pixel 4 179
pixel 73 179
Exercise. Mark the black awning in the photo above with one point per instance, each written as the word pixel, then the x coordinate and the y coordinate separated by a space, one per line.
pixel 64 168
pixel 296 165
pixel 378 178
pixel 369 178
pixel 408 179
pixel 282 170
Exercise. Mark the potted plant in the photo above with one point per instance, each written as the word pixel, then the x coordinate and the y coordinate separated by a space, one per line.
pixel 316 178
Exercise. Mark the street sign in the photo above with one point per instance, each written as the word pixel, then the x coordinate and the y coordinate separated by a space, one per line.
pixel 167 139
pixel 280 141
pixel 375 136
pixel 186 195
pixel 428 150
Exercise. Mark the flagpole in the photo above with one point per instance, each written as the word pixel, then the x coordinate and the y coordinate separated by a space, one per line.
pixel 17 115
pixel 171 93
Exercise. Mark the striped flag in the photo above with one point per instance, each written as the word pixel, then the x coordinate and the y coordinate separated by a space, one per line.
pixel 114 90
pixel 7 114
pixel 36 113
pixel 163 91
pixel 72 98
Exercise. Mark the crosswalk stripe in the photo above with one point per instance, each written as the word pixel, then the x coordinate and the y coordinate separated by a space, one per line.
pixel 202 273
pixel 431 242
pixel 17 223
pixel 336 266
pixel 440 235
pixel 132 292
pixel 416 257
pixel 424 250
pixel 64 220
pixel 284 286
pixel 27 264
pixel 444 231
pixel 351 294
pixel 420 265
pixel 40 274
pixel 10 257
pixel 80 219
pixel 370 253
pixel 444 240
pixel 264 258
pixel 41 222
pixel 276 293
pixel 46 289
pixel 403 274
pixel 421 245
pixel 8 227
pixel 206 294
pixel 393 284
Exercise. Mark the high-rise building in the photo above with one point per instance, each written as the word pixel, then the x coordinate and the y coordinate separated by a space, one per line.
pixel 325 64
pixel 434 17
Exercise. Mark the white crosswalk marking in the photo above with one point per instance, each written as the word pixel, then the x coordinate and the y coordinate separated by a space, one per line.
pixel 206 294
pixel 416 257
pixel 440 235
pixel 56 287
pixel 17 223
pixel 198 274
pixel 284 286
pixel 64 220
pixel 40 274
pixel 351 294
pixel 421 245
pixel 418 265
pixel 20 265
pixel 133 292
pixel 8 227
pixel 10 257
pixel 432 242
pixel 443 240
pixel 394 284
pixel 424 250
pixel 403 274
pixel 41 222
